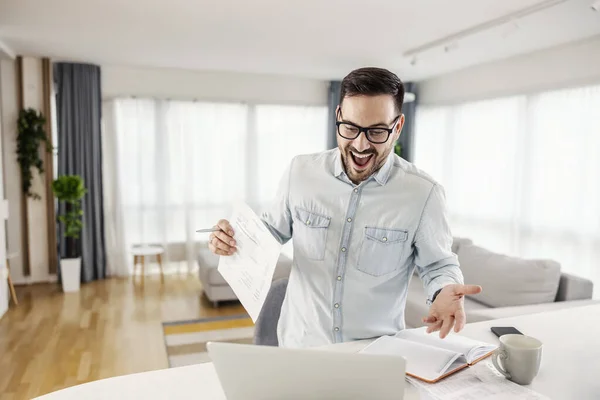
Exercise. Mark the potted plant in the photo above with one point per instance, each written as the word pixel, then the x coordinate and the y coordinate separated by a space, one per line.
pixel 70 189
pixel 30 136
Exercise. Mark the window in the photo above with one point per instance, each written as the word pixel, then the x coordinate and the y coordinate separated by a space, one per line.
pixel 521 173
pixel 283 132
pixel 180 165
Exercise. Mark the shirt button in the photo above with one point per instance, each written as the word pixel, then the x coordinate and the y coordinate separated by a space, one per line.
pixel 339 278
pixel 307 222
pixel 384 239
pixel 349 220
pixel 336 305
pixel 355 190
pixel 336 329
pixel 343 249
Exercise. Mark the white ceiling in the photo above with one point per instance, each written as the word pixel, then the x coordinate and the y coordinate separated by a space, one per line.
pixel 313 38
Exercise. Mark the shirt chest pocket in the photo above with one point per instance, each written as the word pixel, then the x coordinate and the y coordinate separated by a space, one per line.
pixel 382 250
pixel 310 233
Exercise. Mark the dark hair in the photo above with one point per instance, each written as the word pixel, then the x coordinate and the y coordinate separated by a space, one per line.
pixel 371 81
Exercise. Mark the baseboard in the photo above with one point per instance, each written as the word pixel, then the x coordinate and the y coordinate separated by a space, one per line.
pixel 28 280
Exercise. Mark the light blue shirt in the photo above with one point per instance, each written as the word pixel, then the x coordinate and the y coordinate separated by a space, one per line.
pixel 356 247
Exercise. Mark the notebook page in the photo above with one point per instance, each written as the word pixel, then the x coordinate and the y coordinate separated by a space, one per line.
pixel 421 360
pixel 480 351
pixel 470 348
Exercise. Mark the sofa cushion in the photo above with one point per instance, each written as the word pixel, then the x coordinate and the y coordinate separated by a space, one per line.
pixel 508 281
pixel 573 287
pixel 457 242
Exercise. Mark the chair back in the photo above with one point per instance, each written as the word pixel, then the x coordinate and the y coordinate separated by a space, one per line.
pixel 265 329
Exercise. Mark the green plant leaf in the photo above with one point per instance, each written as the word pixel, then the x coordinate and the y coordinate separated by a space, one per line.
pixel 31 134
pixel 70 189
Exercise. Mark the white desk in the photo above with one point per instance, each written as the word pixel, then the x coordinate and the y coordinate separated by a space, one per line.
pixel 570 366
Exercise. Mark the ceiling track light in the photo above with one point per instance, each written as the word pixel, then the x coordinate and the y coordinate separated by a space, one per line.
pixel 450 47
pixel 509 18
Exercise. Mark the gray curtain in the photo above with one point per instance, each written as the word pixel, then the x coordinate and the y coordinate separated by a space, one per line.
pixel 333 99
pixel 78 105
pixel 407 138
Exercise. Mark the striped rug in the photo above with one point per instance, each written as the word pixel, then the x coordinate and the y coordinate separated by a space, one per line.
pixel 186 340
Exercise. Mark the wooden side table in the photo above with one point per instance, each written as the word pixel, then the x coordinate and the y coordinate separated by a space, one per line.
pixel 141 252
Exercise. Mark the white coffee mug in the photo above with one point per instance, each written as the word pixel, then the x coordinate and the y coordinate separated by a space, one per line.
pixel 520 357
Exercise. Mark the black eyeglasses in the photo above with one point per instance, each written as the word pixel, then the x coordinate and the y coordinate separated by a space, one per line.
pixel 378 135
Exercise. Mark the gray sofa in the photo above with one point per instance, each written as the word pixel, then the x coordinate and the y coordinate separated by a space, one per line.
pixel 511 286
pixel 214 286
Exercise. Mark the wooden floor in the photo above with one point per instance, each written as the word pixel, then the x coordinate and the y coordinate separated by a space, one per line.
pixel 53 340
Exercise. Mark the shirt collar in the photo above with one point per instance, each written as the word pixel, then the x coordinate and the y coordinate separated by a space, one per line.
pixel 380 176
pixel 338 167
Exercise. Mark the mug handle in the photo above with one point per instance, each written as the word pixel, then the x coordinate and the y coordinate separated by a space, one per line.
pixel 503 355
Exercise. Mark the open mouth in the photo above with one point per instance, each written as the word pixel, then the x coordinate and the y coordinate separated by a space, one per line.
pixel 361 161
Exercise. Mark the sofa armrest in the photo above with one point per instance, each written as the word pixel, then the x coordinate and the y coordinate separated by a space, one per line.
pixel 573 287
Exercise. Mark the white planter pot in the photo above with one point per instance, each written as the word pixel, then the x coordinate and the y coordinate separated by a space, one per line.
pixel 70 272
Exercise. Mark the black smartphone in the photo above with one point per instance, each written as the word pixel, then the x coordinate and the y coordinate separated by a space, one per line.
pixel 504 330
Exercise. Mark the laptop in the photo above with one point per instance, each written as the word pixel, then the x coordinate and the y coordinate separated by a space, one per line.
pixel 251 372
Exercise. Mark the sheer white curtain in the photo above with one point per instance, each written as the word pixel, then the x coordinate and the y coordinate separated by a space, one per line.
pixel 521 173
pixel 177 166
pixel 561 202
pixel 281 133
pixel 117 260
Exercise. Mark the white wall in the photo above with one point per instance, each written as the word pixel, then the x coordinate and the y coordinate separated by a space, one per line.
pixel 565 66
pixel 215 86
pixel 33 96
pixel 38 240
pixel 12 183
pixel 3 283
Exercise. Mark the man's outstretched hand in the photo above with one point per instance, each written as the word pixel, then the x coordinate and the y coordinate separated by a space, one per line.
pixel 448 309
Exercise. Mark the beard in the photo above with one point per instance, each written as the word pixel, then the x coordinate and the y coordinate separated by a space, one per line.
pixel 359 165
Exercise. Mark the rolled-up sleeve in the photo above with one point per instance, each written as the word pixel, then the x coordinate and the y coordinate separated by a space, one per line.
pixel 436 264
pixel 278 218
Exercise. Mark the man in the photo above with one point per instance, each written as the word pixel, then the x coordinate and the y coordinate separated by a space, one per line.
pixel 362 220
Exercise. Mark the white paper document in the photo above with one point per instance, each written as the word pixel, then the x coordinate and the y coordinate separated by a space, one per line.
pixel 249 271
pixel 480 381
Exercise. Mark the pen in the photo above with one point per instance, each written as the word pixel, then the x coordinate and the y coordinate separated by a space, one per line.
pixel 208 230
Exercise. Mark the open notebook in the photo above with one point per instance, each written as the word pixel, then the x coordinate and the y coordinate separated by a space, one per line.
pixel 428 357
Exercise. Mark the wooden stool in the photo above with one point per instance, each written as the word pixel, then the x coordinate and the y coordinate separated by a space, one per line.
pixel 140 253
pixel 13 294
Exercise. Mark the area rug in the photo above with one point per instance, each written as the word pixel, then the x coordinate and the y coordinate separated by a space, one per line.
pixel 186 340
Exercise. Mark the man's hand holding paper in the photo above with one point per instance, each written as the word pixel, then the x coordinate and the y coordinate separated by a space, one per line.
pixel 221 241
pixel 252 253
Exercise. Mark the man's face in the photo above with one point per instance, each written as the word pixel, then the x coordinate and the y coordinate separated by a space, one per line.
pixel 361 157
